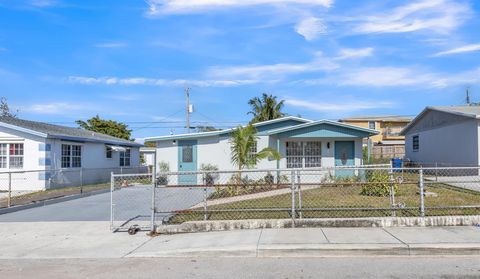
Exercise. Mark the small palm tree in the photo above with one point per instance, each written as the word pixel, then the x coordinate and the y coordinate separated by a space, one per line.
pixel 243 141
pixel 265 108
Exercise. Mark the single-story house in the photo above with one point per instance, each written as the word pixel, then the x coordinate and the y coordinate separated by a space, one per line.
pixel 41 156
pixel 444 136
pixel 302 143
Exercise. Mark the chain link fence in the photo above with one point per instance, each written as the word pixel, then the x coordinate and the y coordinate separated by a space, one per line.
pixel 347 192
pixel 24 187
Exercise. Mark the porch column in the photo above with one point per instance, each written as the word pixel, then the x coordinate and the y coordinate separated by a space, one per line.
pixel 278 150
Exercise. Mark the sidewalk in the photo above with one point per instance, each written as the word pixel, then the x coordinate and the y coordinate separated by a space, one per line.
pixel 48 240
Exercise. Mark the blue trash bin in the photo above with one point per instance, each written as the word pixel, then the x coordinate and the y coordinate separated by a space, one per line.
pixel 397 164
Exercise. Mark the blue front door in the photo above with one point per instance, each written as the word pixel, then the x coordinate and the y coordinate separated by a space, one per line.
pixel 187 161
pixel 344 156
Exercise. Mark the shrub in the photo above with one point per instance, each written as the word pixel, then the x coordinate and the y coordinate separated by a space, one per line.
pixel 210 175
pixel 378 184
pixel 163 167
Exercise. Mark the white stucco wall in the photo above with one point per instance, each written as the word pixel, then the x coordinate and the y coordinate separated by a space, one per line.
pixel 216 151
pixel 453 144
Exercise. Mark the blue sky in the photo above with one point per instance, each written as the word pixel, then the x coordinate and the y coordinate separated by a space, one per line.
pixel 130 60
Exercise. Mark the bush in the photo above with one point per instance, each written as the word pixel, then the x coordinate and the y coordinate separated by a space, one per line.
pixel 163 167
pixel 211 174
pixel 378 184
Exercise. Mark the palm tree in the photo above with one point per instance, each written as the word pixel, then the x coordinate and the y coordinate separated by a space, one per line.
pixel 243 141
pixel 265 108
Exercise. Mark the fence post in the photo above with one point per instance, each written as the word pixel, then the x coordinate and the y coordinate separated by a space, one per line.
pixel 204 197
pixel 422 195
pixel 9 199
pixel 292 175
pixel 392 194
pixel 436 171
pixel 299 191
pixel 81 180
pixel 152 217
pixel 112 187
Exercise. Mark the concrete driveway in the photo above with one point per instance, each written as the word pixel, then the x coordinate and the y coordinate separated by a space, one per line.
pixel 130 203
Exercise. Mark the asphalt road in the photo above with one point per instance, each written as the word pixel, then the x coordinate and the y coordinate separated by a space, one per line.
pixel 131 203
pixel 342 267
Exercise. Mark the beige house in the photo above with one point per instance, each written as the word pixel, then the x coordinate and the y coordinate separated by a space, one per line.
pixel 389 142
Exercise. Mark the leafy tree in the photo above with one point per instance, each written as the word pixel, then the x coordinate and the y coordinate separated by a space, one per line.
pixel 243 141
pixel 109 127
pixel 265 108
pixel 201 129
pixel 5 110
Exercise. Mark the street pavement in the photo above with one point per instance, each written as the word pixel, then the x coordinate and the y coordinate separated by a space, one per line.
pixel 212 268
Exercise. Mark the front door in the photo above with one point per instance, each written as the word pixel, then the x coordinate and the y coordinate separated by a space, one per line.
pixel 187 161
pixel 344 156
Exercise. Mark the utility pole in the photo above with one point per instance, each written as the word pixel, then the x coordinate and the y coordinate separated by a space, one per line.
pixel 468 97
pixel 187 95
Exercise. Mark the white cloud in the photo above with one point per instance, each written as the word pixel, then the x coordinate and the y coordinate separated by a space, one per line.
pixel 311 28
pixel 158 82
pixel 348 53
pixel 43 3
pixel 439 16
pixel 332 107
pixel 397 76
pixel 462 49
pixel 195 6
pixel 53 108
pixel 319 63
pixel 111 45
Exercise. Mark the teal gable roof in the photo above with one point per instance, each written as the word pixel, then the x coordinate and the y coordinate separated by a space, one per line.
pixel 323 129
pixel 277 125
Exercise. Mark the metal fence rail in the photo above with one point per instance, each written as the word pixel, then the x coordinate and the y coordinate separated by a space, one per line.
pixel 20 187
pixel 367 191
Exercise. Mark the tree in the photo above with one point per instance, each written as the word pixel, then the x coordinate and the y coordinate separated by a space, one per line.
pixel 201 129
pixel 243 141
pixel 108 127
pixel 5 109
pixel 265 108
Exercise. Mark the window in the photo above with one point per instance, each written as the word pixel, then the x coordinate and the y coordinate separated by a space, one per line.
pixel 253 151
pixel 108 152
pixel 11 155
pixel 371 125
pixel 187 154
pixel 16 156
pixel 71 156
pixel 415 143
pixel 125 158
pixel 304 154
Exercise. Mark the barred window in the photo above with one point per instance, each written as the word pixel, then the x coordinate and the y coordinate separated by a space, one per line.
pixel 415 143
pixel 125 158
pixel 304 154
pixel 11 155
pixel 252 151
pixel 108 152
pixel 71 156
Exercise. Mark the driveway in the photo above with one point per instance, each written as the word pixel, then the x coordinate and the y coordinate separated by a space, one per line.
pixel 130 203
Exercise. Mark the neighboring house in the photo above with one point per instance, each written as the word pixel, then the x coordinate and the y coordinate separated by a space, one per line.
pixel 388 143
pixel 447 135
pixel 43 155
pixel 302 143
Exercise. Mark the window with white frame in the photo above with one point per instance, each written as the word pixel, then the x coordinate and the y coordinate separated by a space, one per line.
pixel 125 158
pixel 371 125
pixel 252 151
pixel 304 154
pixel 71 156
pixel 108 152
pixel 11 155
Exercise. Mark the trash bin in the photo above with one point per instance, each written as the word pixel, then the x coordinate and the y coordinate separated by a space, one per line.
pixel 397 164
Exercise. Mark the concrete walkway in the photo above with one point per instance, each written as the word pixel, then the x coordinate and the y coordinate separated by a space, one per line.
pixel 50 240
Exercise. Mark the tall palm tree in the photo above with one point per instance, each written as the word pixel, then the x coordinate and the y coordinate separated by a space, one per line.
pixel 265 108
pixel 243 141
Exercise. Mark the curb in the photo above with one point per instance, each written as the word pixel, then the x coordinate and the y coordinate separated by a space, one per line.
pixel 325 250
pixel 226 225
pixel 51 201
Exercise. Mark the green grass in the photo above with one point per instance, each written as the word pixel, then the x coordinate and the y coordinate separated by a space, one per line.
pixel 348 197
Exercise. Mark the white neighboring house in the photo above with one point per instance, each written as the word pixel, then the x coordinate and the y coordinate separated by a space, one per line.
pixel 302 143
pixel 41 156
pixel 444 136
